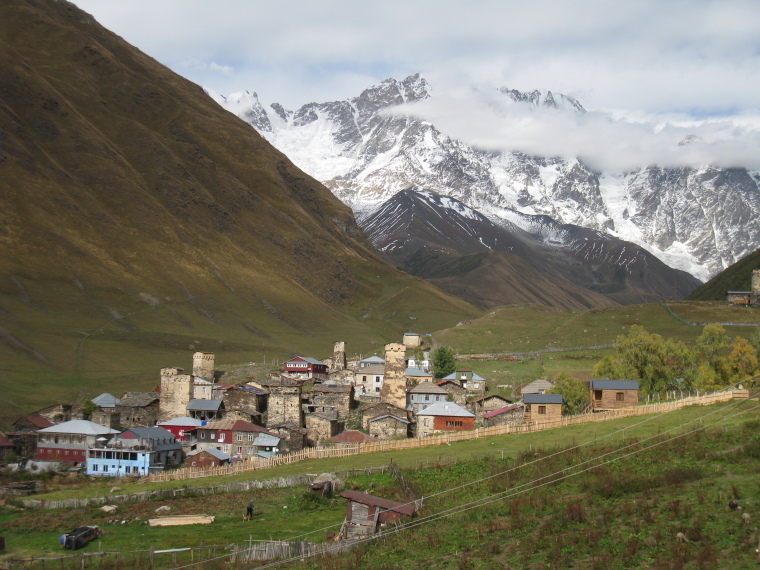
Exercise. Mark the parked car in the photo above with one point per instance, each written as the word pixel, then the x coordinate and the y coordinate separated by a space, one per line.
pixel 78 537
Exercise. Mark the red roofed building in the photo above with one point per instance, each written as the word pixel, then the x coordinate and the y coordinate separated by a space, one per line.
pixel 306 368
pixel 512 414
pixel 352 436
pixel 234 437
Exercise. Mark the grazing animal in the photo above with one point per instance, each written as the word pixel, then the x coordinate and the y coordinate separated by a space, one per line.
pixel 246 517
pixel 733 505
pixel 681 538
pixel 745 519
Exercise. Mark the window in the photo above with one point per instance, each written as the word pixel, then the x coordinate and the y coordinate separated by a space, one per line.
pixel 221 437
pixel 598 395
pixel 542 410
pixel 239 437
pixel 251 437
pixel 127 469
pixel 454 423
pixel 95 467
pixel 213 435
pixel 203 435
pixel 427 397
pixel 105 468
pixel 620 397
pixel 240 450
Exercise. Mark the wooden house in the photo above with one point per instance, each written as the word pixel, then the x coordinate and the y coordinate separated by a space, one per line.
pixel 613 394
pixel 365 513
pixel 442 417
pixel 541 408
pixel 207 458
pixel 306 368
pixel 423 395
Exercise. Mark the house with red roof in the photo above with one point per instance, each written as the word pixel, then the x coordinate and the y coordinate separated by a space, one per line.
pixel 306 368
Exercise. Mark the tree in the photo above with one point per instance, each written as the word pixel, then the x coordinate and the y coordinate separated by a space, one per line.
pixel 574 393
pixel 88 407
pixel 712 340
pixel 742 361
pixel 444 362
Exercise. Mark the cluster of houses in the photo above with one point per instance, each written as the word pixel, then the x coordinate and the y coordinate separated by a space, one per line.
pixel 748 298
pixel 198 420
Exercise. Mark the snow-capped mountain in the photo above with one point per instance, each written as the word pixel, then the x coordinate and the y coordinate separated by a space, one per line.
pixel 464 253
pixel 699 220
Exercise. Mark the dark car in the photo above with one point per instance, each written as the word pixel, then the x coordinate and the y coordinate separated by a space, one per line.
pixel 78 537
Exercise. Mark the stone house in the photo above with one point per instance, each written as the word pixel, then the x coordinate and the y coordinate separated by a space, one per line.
pixel 539 386
pixel 456 392
pixel 339 398
pixel 471 381
pixel 373 410
pixel 365 513
pixel 541 408
pixel 321 427
pixel 487 404
pixel 57 413
pixel 388 426
pixel 613 394
pixel 370 375
pixel 443 417
pixel 139 409
pixel 293 437
pixel 412 340
pixel 107 417
pixel 24 433
pixel 352 437
pixel 68 442
pixel 511 414
pixel 423 395
pixel 207 458
pixel 105 401
pixel 6 447
pixel 284 406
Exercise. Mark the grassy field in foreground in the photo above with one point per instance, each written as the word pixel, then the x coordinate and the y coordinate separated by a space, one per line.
pixel 289 513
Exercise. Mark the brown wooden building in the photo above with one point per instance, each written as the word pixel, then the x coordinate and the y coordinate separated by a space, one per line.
pixel 542 407
pixel 364 513
pixel 613 394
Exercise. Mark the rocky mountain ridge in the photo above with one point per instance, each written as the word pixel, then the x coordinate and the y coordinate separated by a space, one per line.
pixel 696 219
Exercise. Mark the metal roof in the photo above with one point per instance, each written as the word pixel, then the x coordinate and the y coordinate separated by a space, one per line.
pixel 373 360
pixel 613 385
pixel 502 410
pixel 453 375
pixel 536 385
pixel 427 388
pixel 182 422
pixel 266 440
pixel 542 398
pixel 204 405
pixel 221 455
pixel 416 372
pixel 105 400
pixel 308 359
pixel 380 417
pixel 445 409
pixel 80 427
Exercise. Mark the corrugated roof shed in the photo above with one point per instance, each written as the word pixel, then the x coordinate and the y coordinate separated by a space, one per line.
pixel 204 405
pixel 542 398
pixel 614 385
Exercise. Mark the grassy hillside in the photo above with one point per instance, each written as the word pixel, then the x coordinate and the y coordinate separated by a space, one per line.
pixel 141 221
pixel 738 277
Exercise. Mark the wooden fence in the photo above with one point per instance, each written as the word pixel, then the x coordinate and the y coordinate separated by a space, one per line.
pixel 445 438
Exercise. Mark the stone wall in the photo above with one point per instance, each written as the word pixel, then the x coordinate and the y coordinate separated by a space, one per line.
pixel 284 406
pixel 341 397
pixel 176 391
pixel 321 428
pixel 394 380
pixel 388 428
pixel 203 365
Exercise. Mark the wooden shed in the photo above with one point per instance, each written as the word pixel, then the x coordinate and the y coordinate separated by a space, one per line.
pixel 542 407
pixel 613 394
pixel 365 512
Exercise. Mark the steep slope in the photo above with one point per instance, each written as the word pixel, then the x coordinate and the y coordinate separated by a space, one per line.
pixel 141 222
pixel 464 253
pixel 738 277
pixel 696 219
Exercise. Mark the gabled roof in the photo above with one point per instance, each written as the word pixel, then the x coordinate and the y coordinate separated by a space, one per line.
pixel 308 359
pixel 448 409
pixel 503 410
pixel 383 404
pixel 427 388
pixel 39 422
pixel 184 421
pixel 353 436
pixel 542 398
pixel 154 432
pixel 449 383
pixel 373 360
pixel 267 440
pixel 80 427
pixel 416 372
pixel 502 398
pixel 204 405
pixel 105 400
pixel 138 399
pixel 4 441
pixel 453 375
pixel 536 385
pixel 386 504
pixel 221 455
pixel 235 425
pixel 382 416
pixel 613 385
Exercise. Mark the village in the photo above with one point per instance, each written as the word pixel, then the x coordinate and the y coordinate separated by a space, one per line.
pixel 198 420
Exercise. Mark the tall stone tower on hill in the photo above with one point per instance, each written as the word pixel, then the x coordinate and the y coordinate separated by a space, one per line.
pixel 394 380
pixel 339 356
pixel 203 365
pixel 176 392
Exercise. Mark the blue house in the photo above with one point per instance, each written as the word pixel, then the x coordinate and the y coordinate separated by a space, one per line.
pixel 137 451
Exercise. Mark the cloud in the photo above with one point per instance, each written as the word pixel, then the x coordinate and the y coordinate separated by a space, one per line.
pixel 606 140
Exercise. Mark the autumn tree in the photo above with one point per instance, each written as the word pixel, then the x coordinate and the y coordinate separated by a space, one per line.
pixel 741 361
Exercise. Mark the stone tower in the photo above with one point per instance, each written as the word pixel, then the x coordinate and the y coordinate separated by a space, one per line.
pixel 394 380
pixel 756 281
pixel 176 392
pixel 203 365
pixel 339 356
pixel 284 406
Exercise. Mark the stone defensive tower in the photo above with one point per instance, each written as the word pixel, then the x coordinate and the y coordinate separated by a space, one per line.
pixel 394 380
pixel 339 356
pixel 203 365
pixel 284 406
pixel 756 281
pixel 176 391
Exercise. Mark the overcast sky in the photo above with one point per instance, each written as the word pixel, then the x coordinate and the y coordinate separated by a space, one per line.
pixel 652 72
